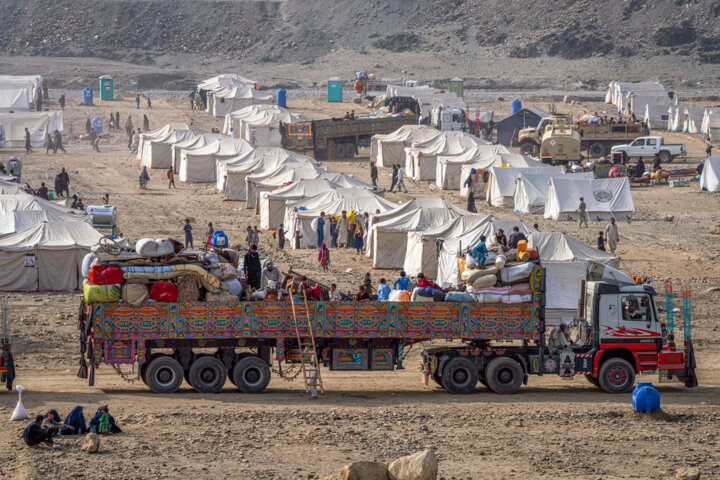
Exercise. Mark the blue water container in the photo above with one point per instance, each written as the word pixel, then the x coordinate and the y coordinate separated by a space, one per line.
pixel 219 240
pixel 281 97
pixel 645 398
pixel 97 125
pixel 515 106
pixel 87 96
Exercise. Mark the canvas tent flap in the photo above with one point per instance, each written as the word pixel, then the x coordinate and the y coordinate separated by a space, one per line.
pixel 710 178
pixel 14 99
pixel 531 190
pixel 389 149
pixel 604 198
pixel 19 221
pixel 501 182
pixel 40 124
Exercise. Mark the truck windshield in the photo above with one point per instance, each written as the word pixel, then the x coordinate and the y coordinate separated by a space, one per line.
pixel 637 308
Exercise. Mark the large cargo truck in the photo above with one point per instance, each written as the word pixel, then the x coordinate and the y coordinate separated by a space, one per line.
pixel 338 138
pixel 499 345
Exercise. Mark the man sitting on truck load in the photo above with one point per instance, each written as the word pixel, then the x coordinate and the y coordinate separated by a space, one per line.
pixel 559 337
pixel 480 252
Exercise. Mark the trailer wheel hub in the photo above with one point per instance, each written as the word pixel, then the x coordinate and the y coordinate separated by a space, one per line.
pixel 618 376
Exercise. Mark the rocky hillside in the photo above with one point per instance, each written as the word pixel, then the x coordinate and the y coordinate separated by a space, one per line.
pixel 299 31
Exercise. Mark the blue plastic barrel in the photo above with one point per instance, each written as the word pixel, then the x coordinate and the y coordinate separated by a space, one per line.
pixel 219 240
pixel 281 97
pixel 645 398
pixel 515 106
pixel 97 125
pixel 87 96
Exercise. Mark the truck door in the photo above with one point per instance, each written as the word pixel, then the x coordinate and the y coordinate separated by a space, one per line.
pixel 637 147
pixel 608 316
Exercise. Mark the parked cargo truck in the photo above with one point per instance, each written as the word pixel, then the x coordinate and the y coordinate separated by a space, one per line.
pixel 498 345
pixel 338 138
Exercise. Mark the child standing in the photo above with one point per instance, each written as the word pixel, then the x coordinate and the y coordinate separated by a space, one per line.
pixel 188 234
pixel 601 242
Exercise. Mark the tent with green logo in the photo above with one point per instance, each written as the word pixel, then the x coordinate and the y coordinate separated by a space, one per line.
pixel 604 198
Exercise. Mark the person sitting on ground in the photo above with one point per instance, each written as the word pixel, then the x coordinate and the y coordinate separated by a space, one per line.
pixel 270 274
pixel 362 294
pixel 515 237
pixel 402 282
pixel 43 191
pixel 639 168
pixel 500 240
pixel 95 422
pixel 335 295
pixel 383 291
pixel 34 434
pixel 52 424
pixel 480 252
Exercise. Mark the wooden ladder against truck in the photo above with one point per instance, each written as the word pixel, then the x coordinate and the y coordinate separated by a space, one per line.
pixel 338 138
pixel 498 345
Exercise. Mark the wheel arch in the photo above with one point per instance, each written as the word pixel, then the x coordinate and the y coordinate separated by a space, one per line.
pixel 617 352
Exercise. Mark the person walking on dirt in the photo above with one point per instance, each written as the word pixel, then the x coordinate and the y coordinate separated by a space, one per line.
pixel 137 101
pixel 88 126
pixel 333 232
pixel 144 178
pixel 582 209
pixel 342 230
pixel 117 121
pixel 146 123
pixel 61 101
pixel 611 235
pixel 401 180
pixel 281 237
pixel 65 182
pixel 171 178
pixel 188 233
pixel 28 148
pixel 471 202
pixel 95 141
pixel 149 103
pixel 58 186
pixel 373 174
pixel 50 146
pixel 394 177
pixel 319 225
pixel 58 142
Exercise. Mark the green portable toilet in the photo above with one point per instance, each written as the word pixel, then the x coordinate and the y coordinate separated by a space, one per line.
pixel 335 90
pixel 457 86
pixel 107 89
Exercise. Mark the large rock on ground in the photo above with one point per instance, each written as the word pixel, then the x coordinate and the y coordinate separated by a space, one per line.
pixel 92 443
pixel 688 474
pixel 419 466
pixel 364 470
pixel 715 230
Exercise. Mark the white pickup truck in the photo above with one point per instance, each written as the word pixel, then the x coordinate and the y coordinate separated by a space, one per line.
pixel 649 146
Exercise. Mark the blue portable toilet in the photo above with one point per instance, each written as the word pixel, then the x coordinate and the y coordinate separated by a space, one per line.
pixel 515 106
pixel 97 125
pixel 219 240
pixel 335 89
pixel 645 398
pixel 87 96
pixel 281 97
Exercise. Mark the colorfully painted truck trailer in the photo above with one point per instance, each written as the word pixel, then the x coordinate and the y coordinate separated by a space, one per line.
pixel 501 344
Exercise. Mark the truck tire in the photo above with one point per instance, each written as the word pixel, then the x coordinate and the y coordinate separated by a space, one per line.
pixel 143 367
pixel 164 374
pixel 617 376
pixel 597 150
pixel 665 157
pixel 349 150
pixel 527 147
pixel 207 374
pixel 239 356
pixel 504 375
pixel 460 375
pixel 251 374
pixel 340 151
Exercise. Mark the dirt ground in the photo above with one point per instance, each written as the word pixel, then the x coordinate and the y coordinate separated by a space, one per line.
pixel 550 429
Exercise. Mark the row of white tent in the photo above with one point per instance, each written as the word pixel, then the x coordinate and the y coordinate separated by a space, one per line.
pixel 19 93
pixel 259 124
pixel 42 243
pixel 690 118
pixel 40 125
pixel 228 93
pixel 631 97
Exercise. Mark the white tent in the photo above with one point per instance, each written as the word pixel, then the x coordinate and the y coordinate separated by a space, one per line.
pixel 300 214
pixel 566 261
pixel 482 168
pixel 448 174
pixel 33 84
pixel 619 93
pixel 24 202
pixel 421 253
pixel 279 176
pixel 191 143
pixel 604 198
pixel 257 161
pixel 676 117
pixel 711 124
pixel 710 178
pixel 40 124
pixel 639 103
pixel 501 182
pixel 531 189
pixel 692 122
pixel 14 222
pixel 272 204
pixel 389 149
pixel 14 99
pixel 47 256
pixel 656 116
pixel 230 99
pixel 388 235
pixel 421 157
pixel 448 269
pixel 225 80
pixel 263 130
pixel 199 165
pixel 155 148
pixel 234 119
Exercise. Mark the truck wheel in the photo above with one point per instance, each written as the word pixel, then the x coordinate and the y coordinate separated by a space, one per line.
pixel 207 375
pixel 251 374
pixel 164 375
pixel 143 367
pixel 527 147
pixel 460 375
pixel 665 157
pixel 617 376
pixel 597 150
pixel 349 150
pixel 340 150
pixel 593 380
pixel 237 359
pixel 504 375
